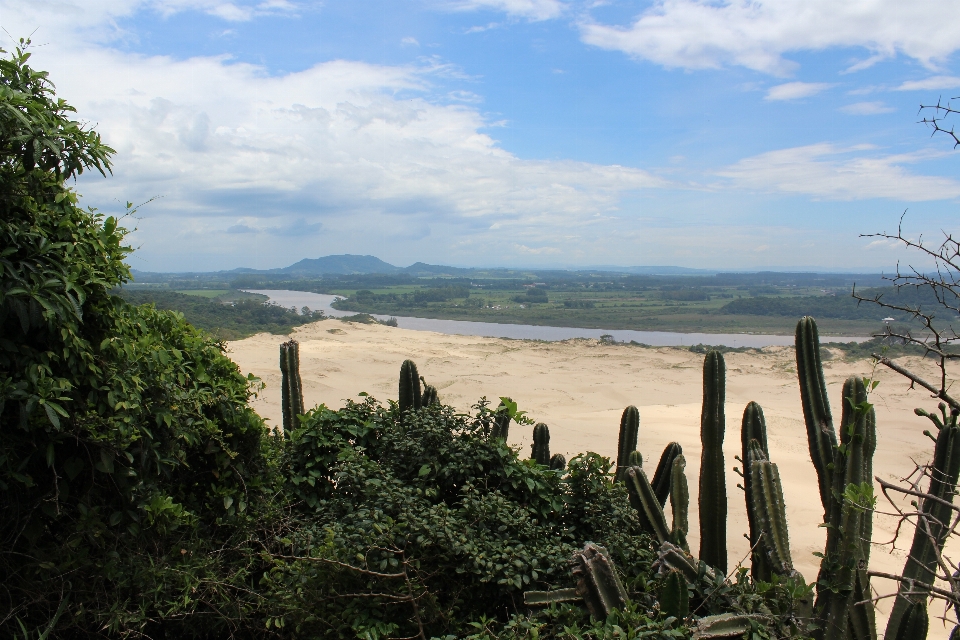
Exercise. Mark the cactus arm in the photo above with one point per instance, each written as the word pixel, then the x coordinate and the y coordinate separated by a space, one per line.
pixel 770 514
pixel 674 597
pixel 545 598
pixel 558 462
pixel 661 477
pixel 816 408
pixel 724 625
pixel 753 429
pixel 679 502
pixel 541 444
pixel 635 459
pixel 921 564
pixel 645 501
pixel 597 581
pixel 430 395
pixel 713 488
pixel 411 397
pixel 627 441
pixel 501 425
pixel 914 624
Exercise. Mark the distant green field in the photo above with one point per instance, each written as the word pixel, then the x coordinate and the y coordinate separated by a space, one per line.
pixel 204 293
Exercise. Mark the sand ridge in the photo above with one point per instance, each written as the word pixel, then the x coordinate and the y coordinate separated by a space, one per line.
pixel 580 387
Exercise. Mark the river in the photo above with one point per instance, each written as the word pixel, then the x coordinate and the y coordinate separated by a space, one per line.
pixel 322 302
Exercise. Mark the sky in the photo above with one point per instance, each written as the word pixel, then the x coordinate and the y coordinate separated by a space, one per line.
pixel 528 133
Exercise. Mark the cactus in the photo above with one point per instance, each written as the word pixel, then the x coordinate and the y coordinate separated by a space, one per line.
pixel 843 555
pixel 292 391
pixel 679 502
pixel 410 396
pixel 627 442
pixel 661 477
pixel 816 408
pixel 713 487
pixel 753 429
pixel 645 501
pixel 558 462
pixel 913 623
pixel 674 598
pixel 430 395
pixel 724 625
pixel 546 598
pixel 597 581
pixel 635 459
pixel 501 423
pixel 769 516
pixel 541 444
pixel 932 529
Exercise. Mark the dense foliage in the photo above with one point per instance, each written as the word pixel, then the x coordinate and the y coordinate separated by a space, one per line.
pixel 233 321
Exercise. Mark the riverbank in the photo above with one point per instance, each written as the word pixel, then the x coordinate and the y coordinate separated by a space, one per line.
pixel 580 387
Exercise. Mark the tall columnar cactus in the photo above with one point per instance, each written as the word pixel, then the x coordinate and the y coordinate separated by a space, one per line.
pixel 627 442
pixel 816 408
pixel 933 528
pixel 661 477
pixel 292 387
pixel 635 459
pixel 541 444
pixel 753 429
pixel 769 514
pixel 674 597
pixel 645 501
pixel 679 502
pixel 713 485
pixel 839 575
pixel 410 395
pixel 914 624
pixel 597 581
pixel 501 424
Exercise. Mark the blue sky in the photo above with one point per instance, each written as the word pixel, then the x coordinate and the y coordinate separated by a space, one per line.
pixel 729 135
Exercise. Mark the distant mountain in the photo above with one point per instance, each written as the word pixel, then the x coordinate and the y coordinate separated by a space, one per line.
pixel 345 264
pixel 418 269
pixel 653 271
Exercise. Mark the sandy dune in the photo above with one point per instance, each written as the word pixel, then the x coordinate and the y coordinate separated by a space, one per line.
pixel 580 388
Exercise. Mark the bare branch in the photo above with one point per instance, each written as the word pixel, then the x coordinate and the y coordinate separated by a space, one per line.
pixel 937 393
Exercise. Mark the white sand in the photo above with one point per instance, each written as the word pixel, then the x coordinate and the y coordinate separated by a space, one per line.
pixel 579 388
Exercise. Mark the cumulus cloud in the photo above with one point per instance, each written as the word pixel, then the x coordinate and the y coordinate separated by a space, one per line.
pixel 834 173
pixel 796 90
pixel 700 34
pixel 867 108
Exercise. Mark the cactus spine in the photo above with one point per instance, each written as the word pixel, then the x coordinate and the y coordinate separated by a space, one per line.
pixel 410 395
pixel 627 442
pixel 645 501
pixel 933 528
pixel 713 487
pixel 674 598
pixel 661 477
pixel 558 462
pixel 541 444
pixel 816 408
pixel 679 502
pixel 753 429
pixel 292 392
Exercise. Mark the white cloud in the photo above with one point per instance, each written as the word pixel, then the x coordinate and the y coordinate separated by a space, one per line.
pixel 867 108
pixel 410 40
pixel 529 9
pixel 833 173
pixel 796 90
pixel 932 83
pixel 699 34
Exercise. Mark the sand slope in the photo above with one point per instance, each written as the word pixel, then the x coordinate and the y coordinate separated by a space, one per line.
pixel 580 387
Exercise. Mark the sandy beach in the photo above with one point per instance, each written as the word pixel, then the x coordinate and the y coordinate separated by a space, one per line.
pixel 580 387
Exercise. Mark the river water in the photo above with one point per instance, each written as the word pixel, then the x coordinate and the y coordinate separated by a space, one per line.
pixel 321 302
